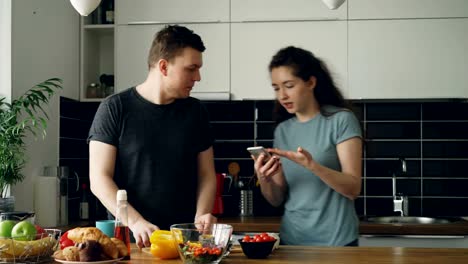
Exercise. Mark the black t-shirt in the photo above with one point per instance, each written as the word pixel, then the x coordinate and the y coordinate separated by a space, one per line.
pixel 157 148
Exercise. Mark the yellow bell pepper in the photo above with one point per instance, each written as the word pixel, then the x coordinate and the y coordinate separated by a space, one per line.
pixel 163 245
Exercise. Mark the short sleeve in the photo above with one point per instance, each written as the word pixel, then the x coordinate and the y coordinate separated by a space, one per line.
pixel 105 126
pixel 348 126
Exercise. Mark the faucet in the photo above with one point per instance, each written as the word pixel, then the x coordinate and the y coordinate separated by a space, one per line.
pixel 400 202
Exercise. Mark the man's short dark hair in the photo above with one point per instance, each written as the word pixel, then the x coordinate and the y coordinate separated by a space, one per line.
pixel 170 41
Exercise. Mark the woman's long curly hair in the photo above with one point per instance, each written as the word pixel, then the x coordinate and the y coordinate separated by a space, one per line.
pixel 305 65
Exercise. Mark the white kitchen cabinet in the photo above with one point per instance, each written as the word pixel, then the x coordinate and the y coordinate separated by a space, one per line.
pixel 280 10
pixel 384 9
pixel 254 44
pixel 174 11
pixel 132 47
pixel 423 58
pixel 96 56
pixel 425 241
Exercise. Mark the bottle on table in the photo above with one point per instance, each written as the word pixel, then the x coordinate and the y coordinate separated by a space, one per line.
pixel 121 230
pixel 84 205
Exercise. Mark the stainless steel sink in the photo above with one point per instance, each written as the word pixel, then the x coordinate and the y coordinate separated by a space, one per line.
pixel 408 220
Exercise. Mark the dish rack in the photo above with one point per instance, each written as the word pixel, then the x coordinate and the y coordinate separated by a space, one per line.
pixel 39 250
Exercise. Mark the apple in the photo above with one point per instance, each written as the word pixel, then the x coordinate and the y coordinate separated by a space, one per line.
pixel 24 230
pixel 40 232
pixel 5 228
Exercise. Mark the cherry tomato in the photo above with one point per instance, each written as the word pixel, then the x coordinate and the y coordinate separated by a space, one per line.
pixel 65 242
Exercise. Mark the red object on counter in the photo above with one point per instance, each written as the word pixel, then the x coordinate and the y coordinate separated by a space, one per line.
pixel 218 207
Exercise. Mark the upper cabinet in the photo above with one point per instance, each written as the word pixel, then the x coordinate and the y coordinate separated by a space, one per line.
pixel 387 9
pixel 280 10
pixel 97 53
pixel 174 11
pixel 132 48
pixel 421 58
pixel 254 44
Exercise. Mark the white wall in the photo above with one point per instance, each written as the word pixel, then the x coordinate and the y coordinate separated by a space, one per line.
pixel 5 48
pixel 45 44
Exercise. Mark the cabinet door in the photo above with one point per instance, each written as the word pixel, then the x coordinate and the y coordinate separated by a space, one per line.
pixel 280 10
pixel 370 9
pixel 408 58
pixel 174 11
pixel 253 45
pixel 134 41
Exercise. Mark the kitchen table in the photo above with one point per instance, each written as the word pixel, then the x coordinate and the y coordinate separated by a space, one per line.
pixel 272 224
pixel 333 255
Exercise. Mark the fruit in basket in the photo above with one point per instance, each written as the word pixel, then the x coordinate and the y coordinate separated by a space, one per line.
pixel 5 228
pixel 18 248
pixel 24 231
pixel 40 232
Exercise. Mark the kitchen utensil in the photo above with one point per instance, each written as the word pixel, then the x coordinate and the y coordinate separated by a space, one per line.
pixel 218 207
pixel 234 169
pixel 246 203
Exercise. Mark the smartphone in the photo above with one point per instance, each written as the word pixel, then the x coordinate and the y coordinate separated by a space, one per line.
pixel 256 151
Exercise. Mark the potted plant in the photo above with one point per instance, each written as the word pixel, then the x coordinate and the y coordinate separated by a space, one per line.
pixel 22 116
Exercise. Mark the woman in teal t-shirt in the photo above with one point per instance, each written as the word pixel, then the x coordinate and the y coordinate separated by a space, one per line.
pixel 316 167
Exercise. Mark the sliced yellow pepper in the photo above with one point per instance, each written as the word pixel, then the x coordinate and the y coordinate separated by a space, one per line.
pixel 163 245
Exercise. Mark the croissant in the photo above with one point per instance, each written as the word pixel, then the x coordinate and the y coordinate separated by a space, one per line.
pixel 82 234
pixel 123 251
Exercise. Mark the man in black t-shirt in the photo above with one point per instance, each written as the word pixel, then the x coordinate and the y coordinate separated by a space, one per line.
pixel 155 141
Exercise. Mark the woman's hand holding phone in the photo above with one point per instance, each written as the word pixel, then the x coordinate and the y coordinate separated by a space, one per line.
pixel 265 165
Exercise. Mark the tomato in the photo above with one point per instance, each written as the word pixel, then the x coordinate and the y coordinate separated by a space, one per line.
pixel 246 238
pixel 163 245
pixel 65 242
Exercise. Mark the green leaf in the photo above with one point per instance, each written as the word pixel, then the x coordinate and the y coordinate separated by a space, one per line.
pixel 22 116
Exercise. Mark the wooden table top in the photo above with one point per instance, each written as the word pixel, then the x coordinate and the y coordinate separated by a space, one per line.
pixel 272 224
pixel 333 255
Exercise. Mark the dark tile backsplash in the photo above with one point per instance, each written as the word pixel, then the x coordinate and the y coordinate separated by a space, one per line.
pixel 433 142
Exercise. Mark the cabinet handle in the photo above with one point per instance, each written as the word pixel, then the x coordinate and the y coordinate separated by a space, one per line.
pixel 416 236
pixel 171 22
pixel 290 20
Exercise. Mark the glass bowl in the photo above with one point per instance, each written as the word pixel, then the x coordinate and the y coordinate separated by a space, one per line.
pixel 201 244
pixel 31 251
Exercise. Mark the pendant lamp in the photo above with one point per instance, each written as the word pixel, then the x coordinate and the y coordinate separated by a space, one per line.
pixel 85 7
pixel 333 4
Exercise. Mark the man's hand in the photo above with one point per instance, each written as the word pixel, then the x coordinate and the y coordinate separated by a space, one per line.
pixel 205 220
pixel 142 231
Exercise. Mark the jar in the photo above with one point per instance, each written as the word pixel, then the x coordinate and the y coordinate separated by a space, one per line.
pixel 93 90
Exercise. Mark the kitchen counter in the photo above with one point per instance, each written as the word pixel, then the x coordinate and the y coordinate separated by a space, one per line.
pixel 272 224
pixel 333 255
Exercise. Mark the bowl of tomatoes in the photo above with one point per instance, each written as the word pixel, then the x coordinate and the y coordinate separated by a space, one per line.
pixel 201 243
pixel 257 246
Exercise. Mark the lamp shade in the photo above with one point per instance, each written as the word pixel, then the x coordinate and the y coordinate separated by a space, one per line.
pixel 85 7
pixel 333 4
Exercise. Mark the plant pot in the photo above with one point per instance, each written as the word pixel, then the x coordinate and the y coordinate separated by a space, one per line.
pixel 7 204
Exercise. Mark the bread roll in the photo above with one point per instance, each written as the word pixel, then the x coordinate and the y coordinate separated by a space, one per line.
pixel 90 251
pixel 71 253
pixel 83 234
pixel 123 251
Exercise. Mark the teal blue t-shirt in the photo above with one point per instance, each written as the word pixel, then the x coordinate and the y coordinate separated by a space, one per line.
pixel 315 214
